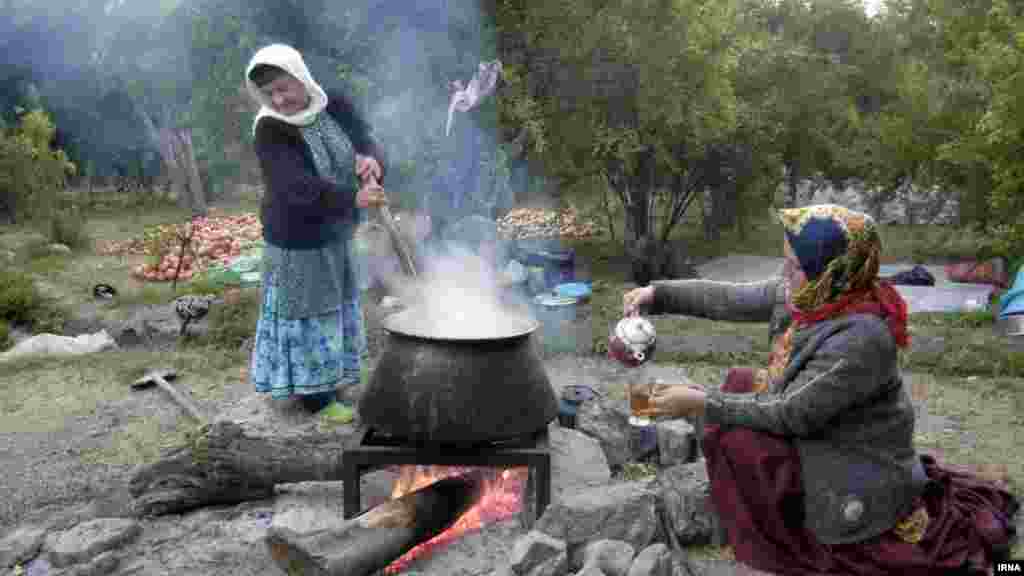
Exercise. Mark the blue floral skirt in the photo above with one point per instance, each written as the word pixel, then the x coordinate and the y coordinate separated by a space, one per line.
pixel 306 355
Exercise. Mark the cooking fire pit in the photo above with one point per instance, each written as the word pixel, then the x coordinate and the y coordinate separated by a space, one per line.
pixel 459 399
pixel 371 451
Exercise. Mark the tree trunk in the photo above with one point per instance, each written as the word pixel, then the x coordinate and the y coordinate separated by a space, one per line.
pixel 230 462
pixel 197 196
pixel 638 196
pixel 179 158
pixel 793 178
pixel 372 541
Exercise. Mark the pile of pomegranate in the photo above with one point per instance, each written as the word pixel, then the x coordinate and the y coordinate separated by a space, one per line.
pixel 216 240
pixel 523 223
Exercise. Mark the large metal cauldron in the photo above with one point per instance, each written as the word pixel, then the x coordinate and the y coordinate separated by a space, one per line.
pixel 428 389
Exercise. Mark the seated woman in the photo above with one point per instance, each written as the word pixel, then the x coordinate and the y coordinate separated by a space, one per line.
pixel 812 462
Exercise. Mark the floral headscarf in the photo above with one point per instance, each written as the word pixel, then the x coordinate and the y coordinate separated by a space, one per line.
pixel 839 251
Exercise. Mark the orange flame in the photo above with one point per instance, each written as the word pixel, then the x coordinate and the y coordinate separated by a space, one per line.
pixel 500 498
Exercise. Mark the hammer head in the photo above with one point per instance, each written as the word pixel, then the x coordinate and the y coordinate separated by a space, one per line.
pixel 151 377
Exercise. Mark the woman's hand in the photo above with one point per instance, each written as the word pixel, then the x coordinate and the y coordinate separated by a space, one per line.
pixel 635 298
pixel 367 168
pixel 371 195
pixel 676 401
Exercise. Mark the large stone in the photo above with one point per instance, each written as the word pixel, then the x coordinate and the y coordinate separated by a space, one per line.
pixel 309 507
pixel 609 423
pixel 577 462
pixel 21 545
pixel 655 560
pixel 685 492
pixel 90 539
pixel 56 345
pixel 538 554
pixel 101 565
pixel 624 511
pixel 613 557
pixel 590 570
pixel 677 442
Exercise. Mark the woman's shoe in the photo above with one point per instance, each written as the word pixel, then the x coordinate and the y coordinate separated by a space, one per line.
pixel 338 413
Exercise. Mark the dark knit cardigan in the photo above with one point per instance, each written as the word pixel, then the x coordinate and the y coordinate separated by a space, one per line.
pixel 299 207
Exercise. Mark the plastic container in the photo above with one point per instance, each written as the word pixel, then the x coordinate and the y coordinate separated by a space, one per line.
pixel 556 315
pixel 578 290
pixel 559 265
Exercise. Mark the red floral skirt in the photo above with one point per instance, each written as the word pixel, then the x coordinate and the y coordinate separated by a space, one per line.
pixel 757 491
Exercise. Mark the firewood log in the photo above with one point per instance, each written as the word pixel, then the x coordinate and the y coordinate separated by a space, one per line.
pixel 375 539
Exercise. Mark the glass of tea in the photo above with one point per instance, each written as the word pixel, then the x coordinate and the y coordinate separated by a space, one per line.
pixel 639 396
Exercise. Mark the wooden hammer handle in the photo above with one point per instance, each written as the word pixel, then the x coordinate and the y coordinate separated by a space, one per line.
pixel 180 399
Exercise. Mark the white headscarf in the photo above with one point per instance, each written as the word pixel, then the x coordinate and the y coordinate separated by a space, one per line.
pixel 290 60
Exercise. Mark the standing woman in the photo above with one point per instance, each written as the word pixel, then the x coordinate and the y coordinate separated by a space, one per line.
pixel 320 169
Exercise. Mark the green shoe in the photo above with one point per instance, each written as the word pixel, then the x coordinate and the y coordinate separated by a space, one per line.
pixel 338 413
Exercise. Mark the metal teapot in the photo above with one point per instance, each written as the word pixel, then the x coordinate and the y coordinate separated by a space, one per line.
pixel 632 341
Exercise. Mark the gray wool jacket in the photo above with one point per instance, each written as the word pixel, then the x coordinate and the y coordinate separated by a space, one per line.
pixel 841 400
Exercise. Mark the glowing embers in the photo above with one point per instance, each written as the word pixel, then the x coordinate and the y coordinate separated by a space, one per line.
pixel 501 497
pixel 515 470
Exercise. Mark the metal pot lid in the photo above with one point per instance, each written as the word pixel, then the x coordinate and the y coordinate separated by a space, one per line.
pixel 410 323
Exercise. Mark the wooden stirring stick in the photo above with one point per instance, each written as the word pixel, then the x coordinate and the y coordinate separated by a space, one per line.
pixel 404 255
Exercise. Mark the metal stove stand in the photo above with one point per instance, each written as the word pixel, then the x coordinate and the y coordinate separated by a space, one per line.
pixel 370 451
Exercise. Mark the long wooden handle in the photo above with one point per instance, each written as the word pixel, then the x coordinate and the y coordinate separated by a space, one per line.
pixel 404 254
pixel 180 399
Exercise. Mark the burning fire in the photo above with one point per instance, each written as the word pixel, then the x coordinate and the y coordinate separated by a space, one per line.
pixel 501 498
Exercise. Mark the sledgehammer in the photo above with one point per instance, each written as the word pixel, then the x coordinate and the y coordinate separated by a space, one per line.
pixel 160 378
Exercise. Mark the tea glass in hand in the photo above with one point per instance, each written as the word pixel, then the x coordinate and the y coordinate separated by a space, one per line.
pixel 639 397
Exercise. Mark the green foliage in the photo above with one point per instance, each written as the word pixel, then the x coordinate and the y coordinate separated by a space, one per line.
pixel 31 173
pixel 20 300
pixel 232 323
pixel 983 40
pixel 68 226
pixel 5 335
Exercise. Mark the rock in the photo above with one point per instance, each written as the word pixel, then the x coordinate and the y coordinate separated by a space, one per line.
pixel 538 554
pixel 590 570
pixel 655 560
pixel 612 557
pixel 21 545
pixel 52 344
pixel 577 462
pixel 685 491
pixel 623 511
pixel 101 565
pixel 61 249
pixel 131 333
pixel 309 507
pixel 609 423
pixel 90 539
pixel 677 442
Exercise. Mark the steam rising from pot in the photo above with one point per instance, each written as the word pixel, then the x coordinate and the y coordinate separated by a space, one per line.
pixel 459 295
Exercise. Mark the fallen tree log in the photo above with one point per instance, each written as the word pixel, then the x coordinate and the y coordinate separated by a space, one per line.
pixel 373 540
pixel 230 462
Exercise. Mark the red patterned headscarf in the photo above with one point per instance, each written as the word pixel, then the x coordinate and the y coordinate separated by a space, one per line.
pixel 839 251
